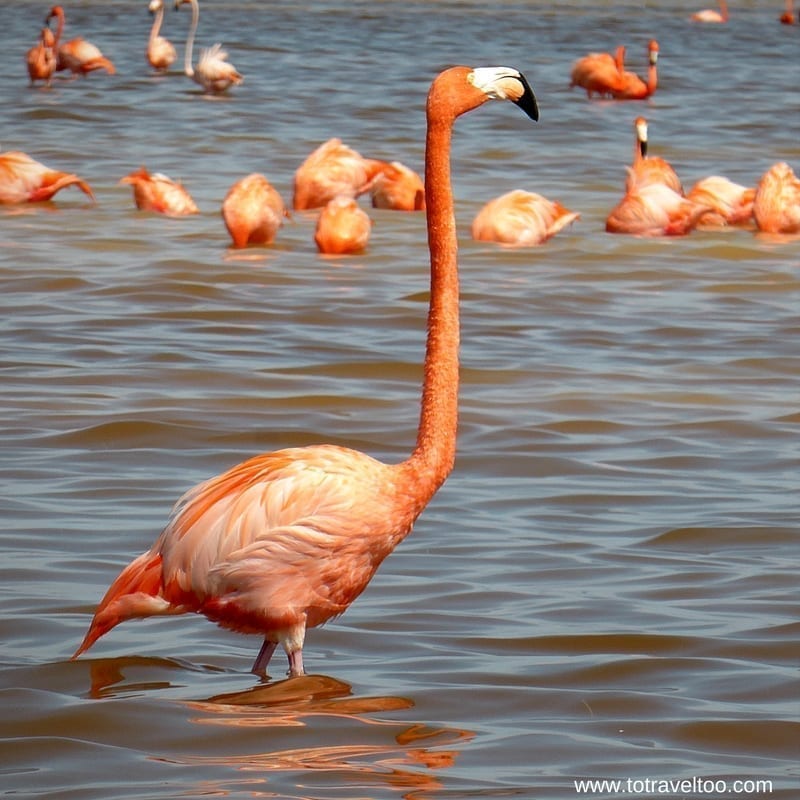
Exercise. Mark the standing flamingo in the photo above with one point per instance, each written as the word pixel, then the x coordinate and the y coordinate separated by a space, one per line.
pixel 287 540
pixel 333 169
pixel 654 210
pixel 521 219
pixel 632 87
pixel 77 55
pixel 650 169
pixel 157 192
pixel 25 180
pixel 41 58
pixel 599 73
pixel 160 51
pixel 214 73
pixel 342 227
pixel 710 15
pixel 776 206
pixel 253 211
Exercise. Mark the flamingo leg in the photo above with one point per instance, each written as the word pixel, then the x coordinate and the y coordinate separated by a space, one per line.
pixel 263 657
pixel 296 663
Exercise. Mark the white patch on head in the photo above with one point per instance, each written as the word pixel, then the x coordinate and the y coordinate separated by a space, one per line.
pixel 500 83
pixel 641 130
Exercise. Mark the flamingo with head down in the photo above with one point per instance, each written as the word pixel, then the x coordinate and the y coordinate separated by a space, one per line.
pixel 776 206
pixel 156 192
pixel 343 227
pixel 711 15
pixel 160 52
pixel 214 72
pixel 731 203
pixel 521 219
pixel 253 211
pixel 287 540
pixel 25 180
pixel 398 187
pixel 77 55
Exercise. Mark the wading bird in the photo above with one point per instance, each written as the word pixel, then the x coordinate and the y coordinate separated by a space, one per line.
pixel 157 192
pixel 776 206
pixel 160 51
pixel 710 15
pixel 632 87
pixel 398 187
pixel 77 55
pixel 41 58
pixel 645 168
pixel 214 72
pixel 521 219
pixel 342 227
pixel 253 211
pixel 25 180
pixel 287 540
pixel 731 203
pixel 599 73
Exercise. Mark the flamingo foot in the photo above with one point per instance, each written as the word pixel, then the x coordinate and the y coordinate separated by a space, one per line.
pixel 263 657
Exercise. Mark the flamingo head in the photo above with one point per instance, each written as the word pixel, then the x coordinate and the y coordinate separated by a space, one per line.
pixel 652 49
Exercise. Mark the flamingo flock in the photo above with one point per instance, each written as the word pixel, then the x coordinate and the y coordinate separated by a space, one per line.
pixel 286 540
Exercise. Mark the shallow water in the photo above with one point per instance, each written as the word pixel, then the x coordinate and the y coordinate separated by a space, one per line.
pixel 606 586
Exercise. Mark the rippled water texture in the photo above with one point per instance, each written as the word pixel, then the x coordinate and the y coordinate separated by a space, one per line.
pixel 607 584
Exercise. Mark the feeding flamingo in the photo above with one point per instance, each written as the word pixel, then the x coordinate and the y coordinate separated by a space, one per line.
pixel 342 227
pixel 253 211
pixel 333 169
pixel 157 192
pixel 160 51
pixel 25 180
pixel 41 58
pixel 654 210
pixel 77 55
pixel 710 15
pixel 214 72
pixel 287 540
pixel 776 206
pixel 398 187
pixel 731 203
pixel 645 168
pixel 521 218
pixel 599 73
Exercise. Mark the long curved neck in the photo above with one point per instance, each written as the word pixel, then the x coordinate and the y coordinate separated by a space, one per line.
pixel 434 454
pixel 59 28
pixel 156 25
pixel 187 57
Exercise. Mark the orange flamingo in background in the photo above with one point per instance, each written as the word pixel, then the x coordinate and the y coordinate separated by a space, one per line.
pixel 632 87
pixel 157 192
pixel 342 227
pixel 654 210
pixel 787 18
pixel 776 206
pixel 399 188
pixel 599 73
pixel 287 540
pixel 253 211
pixel 25 180
pixel 160 51
pixel 521 218
pixel 77 55
pixel 731 202
pixel 333 169
pixel 709 15
pixel 646 169
pixel 214 73
pixel 41 58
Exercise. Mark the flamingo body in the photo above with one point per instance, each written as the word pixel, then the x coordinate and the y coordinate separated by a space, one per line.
pixel 158 193
pixel 632 87
pixel 333 169
pixel 77 55
pixel 213 72
pixel 521 218
pixel 776 206
pixel 286 541
pixel 711 15
pixel 41 58
pixel 342 227
pixel 399 188
pixel 730 203
pixel 160 52
pixel 253 211
pixel 25 180
pixel 599 73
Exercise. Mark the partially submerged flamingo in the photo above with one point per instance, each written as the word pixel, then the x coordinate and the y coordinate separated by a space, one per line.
pixel 776 205
pixel 253 211
pixel 25 180
pixel 342 227
pixel 159 193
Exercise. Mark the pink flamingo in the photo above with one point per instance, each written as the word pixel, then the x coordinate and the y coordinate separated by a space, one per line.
pixel 731 203
pixel 287 540
pixel 632 87
pixel 599 73
pixel 342 227
pixel 776 206
pixel 399 188
pixel 645 168
pixel 77 55
pixel 156 192
pixel 41 58
pixel 710 15
pixel 160 52
pixel 253 211
pixel 25 180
